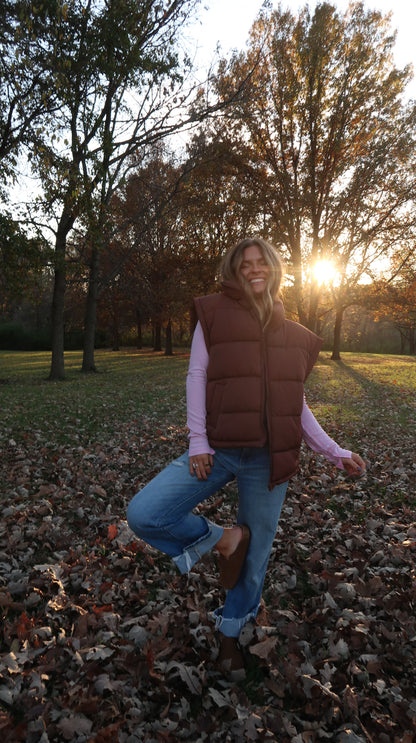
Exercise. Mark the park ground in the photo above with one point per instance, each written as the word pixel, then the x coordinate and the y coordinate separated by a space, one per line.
pixel 103 641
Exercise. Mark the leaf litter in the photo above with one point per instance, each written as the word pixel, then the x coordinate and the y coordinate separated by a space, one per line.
pixel 103 640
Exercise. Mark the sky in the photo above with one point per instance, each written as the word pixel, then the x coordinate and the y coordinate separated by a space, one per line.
pixel 227 22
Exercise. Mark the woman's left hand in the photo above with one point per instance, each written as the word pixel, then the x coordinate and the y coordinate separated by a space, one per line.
pixel 200 465
pixel 355 466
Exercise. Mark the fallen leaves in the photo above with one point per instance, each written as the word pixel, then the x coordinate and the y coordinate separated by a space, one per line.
pixel 103 641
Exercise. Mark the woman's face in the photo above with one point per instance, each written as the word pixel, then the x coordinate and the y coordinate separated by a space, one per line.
pixel 255 269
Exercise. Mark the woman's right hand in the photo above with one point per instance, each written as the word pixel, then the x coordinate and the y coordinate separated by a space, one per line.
pixel 200 465
pixel 355 466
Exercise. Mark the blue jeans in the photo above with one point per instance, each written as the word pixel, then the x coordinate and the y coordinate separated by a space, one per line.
pixel 161 514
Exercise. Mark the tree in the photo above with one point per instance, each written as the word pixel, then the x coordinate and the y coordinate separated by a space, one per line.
pixel 394 299
pixel 117 72
pixel 148 214
pixel 174 222
pixel 217 204
pixel 27 89
pixel 119 81
pixel 22 261
pixel 324 123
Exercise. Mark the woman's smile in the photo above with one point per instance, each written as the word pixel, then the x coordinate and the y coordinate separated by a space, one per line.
pixel 255 269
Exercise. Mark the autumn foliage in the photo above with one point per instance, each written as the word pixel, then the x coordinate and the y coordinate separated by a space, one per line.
pixel 103 641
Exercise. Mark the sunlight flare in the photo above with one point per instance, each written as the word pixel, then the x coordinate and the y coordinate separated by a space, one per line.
pixel 324 272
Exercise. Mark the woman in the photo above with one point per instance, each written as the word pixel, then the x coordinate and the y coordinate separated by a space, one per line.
pixel 246 418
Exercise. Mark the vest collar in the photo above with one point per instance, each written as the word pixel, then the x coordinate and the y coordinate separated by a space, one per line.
pixel 233 290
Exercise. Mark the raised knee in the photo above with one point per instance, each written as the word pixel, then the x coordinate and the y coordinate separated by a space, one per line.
pixel 139 518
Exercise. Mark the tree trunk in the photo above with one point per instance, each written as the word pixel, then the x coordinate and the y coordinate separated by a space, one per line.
pixel 57 370
pixel 139 328
pixel 169 346
pixel 88 362
pixel 298 286
pixel 116 336
pixel 412 342
pixel 157 346
pixel 313 307
pixel 337 335
pixel 402 342
pixel 182 331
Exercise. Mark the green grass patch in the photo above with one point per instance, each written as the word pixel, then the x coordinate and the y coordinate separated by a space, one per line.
pixel 365 375
pixel 128 385
pixel 361 391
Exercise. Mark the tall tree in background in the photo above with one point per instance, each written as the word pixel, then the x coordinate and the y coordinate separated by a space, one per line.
pixel 116 75
pixel 148 214
pixel 218 207
pixel 325 122
pixel 157 87
pixel 27 89
pixel 394 298
pixel 22 261
pixel 173 221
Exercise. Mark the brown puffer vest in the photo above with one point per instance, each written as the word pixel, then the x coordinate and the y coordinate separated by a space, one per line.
pixel 255 378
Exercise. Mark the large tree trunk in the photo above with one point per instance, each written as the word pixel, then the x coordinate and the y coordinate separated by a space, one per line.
pixel 57 370
pixel 315 283
pixel 139 328
pixel 157 345
pixel 169 345
pixel 402 343
pixel 88 362
pixel 337 335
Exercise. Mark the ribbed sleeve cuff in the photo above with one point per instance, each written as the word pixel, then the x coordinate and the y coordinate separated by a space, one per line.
pixel 198 444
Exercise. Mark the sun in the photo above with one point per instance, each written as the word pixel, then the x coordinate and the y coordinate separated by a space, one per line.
pixel 324 272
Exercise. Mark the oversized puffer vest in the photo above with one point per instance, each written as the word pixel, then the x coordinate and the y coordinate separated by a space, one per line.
pixel 255 378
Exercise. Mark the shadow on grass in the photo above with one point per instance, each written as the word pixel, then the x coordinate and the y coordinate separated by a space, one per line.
pixel 369 385
pixel 398 396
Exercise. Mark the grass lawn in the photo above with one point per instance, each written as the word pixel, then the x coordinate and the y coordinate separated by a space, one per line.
pixel 363 391
pixel 346 396
pixel 128 384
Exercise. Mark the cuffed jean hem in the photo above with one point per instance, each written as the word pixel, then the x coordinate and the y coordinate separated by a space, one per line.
pixel 231 627
pixel 185 561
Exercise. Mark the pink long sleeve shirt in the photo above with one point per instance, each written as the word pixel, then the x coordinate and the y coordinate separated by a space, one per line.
pixel 196 382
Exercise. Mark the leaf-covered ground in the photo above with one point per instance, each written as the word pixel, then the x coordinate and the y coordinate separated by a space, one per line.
pixel 102 640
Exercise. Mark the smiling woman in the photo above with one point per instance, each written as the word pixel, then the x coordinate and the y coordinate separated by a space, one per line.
pixel 255 269
pixel 246 416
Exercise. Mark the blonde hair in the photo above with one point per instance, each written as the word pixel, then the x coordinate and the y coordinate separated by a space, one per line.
pixel 230 271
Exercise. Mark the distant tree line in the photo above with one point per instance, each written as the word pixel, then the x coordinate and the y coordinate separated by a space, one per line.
pixel 305 138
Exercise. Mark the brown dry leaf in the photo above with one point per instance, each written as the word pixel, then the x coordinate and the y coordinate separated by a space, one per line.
pixel 100 631
pixel 74 725
pixel 264 648
pixel 349 703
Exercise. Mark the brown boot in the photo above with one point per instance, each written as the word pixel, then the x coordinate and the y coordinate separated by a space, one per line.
pixel 230 659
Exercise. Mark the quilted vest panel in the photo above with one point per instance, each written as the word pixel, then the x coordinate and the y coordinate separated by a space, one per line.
pixel 255 378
